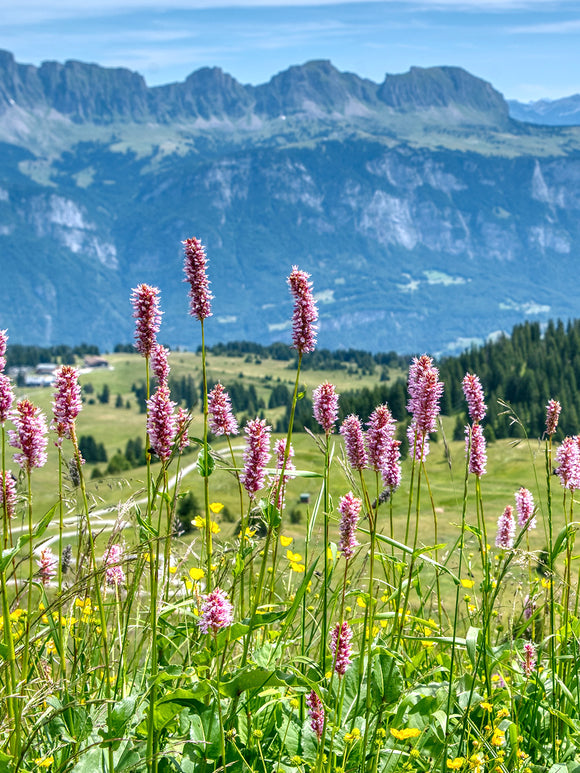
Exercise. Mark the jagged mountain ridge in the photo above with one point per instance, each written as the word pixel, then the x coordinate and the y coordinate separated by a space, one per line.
pixel 424 213
pixel 548 112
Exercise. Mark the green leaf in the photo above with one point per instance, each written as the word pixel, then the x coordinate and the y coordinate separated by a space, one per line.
pixel 147 530
pixel 471 644
pixel 6 763
pixel 190 698
pixel 205 463
pixel 254 679
pixel 24 539
pixel 558 767
pixel 121 716
pixel 386 678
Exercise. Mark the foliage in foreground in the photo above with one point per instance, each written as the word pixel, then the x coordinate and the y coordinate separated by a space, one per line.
pixel 131 650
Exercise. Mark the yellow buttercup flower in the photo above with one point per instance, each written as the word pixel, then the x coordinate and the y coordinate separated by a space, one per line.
pixel 352 736
pixel 405 734
pixel 456 764
pixel 285 541
pixel 486 706
pixel 498 737
pixel 216 507
pixel 293 556
pixel 196 573
pixel 467 583
pixel 44 762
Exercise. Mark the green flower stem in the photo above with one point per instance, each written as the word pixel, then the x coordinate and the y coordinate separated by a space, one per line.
pixel 208 537
pixel 243 527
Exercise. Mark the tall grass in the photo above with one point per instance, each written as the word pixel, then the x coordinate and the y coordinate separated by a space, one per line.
pixel 386 651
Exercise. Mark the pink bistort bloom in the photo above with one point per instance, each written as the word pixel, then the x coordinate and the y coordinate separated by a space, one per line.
pixel 305 311
pixel 161 423
pixel 289 467
pixel 48 565
pixel 506 529
pixel 3 342
pixel 29 436
pixel 380 434
pixel 473 392
pixel 316 714
pixel 221 418
pixel 392 472
pixel 425 392
pixel 529 659
pixel 340 647
pixel 195 268
pixel 114 574
pixel 6 398
pixel 325 406
pixel 417 443
pixel 552 415
pixel 475 446
pixel 349 508
pixel 145 300
pixel 216 612
pixel 525 507
pixel 354 443
pixel 160 364
pixel 67 401
pixel 182 421
pixel 8 484
pixel 256 455
pixel 568 460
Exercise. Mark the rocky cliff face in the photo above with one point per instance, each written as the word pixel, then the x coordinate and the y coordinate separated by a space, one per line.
pixel 427 218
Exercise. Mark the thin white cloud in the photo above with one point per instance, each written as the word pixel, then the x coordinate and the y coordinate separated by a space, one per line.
pixel 550 28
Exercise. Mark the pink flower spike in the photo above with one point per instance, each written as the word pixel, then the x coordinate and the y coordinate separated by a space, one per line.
pixel 8 484
pixel 145 300
pixel 340 647
pixel 183 419
pixel 67 401
pixel 525 507
pixel 417 442
pixel 392 472
pixel 568 460
pixel 6 398
pixel 48 565
pixel 160 364
pixel 325 406
pixel 114 574
pixel 354 444
pixel 221 418
pixel 425 392
pixel 475 446
pixel 529 659
pixel 506 529
pixel 380 433
pixel 195 268
pixel 161 423
pixel 552 415
pixel 316 714
pixel 280 452
pixel 256 455
pixel 473 392
pixel 305 312
pixel 217 612
pixel 349 508
pixel 3 341
pixel 29 436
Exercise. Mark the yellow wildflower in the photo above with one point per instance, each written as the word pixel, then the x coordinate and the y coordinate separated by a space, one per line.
pixel 44 762
pixel 361 602
pixel 196 573
pixel 467 583
pixel 486 706
pixel 405 733
pixel 216 507
pixel 352 736
pixel 498 737
pixel 502 713
pixel 456 764
pixel 285 541
pixel 296 557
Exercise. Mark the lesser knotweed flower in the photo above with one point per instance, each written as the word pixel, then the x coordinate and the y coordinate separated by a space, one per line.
pixel 182 420
pixel 279 487
pixel 525 508
pixel 506 529
pixel 114 574
pixel 552 415
pixel 48 564
pixel 325 406
pixel 160 364
pixel 161 424
pixel 256 455
pixel 6 398
pixel 568 459
pixel 529 659
pixel 221 418
pixel 417 443
pixel 216 612
pixel 349 508
pixel 392 472
pixel 425 391
pixel 340 647
pixel 305 311
pixel 354 444
pixel 475 446
pixel 3 341
pixel 380 433
pixel 316 713
pixel 67 401
pixel 473 392
pixel 195 268
pixel 8 485
pixel 145 300
pixel 29 436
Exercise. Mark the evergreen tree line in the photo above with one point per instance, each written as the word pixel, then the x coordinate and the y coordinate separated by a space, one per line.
pixel 19 356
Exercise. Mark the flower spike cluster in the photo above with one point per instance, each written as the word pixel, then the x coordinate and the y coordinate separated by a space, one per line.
pixel 161 423
pixel 340 646
pixel 195 268
pixel 305 312
pixel 316 714
pixel 217 612
pixel 552 415
pixel 525 507
pixel 568 459
pixel 6 398
pixel 354 442
pixel 114 574
pixel 506 529
pixel 279 487
pixel 160 364
pixel 473 392
pixel 425 392
pixel 221 418
pixel 349 508
pixel 325 406
pixel 475 445
pixel 8 485
pixel 147 314
pixel 67 401
pixel 3 342
pixel 29 436
pixel 48 565
pixel 256 455
pixel 380 435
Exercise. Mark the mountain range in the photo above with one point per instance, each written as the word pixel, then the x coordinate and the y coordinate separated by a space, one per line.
pixel 428 216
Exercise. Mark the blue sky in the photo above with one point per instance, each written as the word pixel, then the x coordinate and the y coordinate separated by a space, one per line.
pixel 528 49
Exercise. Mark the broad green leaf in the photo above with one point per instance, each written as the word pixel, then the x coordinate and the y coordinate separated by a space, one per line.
pixel 205 463
pixel 471 643
pixel 387 683
pixel 254 679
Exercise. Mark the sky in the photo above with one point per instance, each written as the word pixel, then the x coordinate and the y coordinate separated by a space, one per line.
pixel 528 49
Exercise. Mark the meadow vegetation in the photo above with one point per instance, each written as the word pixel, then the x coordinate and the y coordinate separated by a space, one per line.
pixel 369 594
